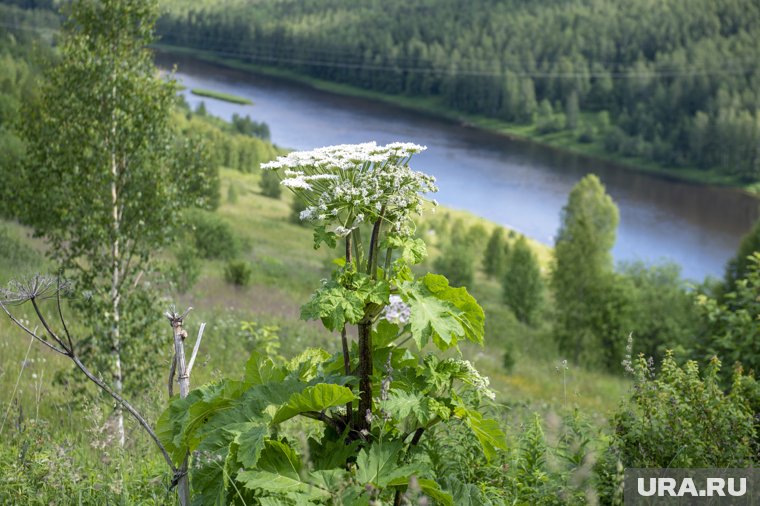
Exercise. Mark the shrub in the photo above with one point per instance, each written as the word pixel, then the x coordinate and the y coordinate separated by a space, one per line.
pixel 679 418
pixel 186 268
pixel 232 196
pixel 270 185
pixel 238 273
pixel 214 237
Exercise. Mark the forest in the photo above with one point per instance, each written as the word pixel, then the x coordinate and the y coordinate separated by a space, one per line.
pixel 671 83
pixel 350 341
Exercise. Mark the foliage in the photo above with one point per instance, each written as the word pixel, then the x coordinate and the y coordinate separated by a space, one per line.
pixel 591 304
pixel 376 398
pixel 457 259
pixel 679 418
pixel 238 273
pixel 738 266
pixel 241 146
pixel 656 69
pixel 522 283
pixel 270 185
pixel 663 314
pixel 105 179
pixel 731 326
pixel 496 254
pixel 213 236
pixel 186 269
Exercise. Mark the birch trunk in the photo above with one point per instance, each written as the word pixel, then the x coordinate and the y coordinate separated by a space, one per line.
pixel 115 278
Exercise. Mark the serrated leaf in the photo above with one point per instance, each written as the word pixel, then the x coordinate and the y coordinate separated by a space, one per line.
pixel 431 489
pixel 316 398
pixel 473 317
pixel 465 494
pixel 250 444
pixel 486 430
pixel 273 483
pixel 306 364
pixel 384 333
pixel 375 292
pixel 322 235
pixel 432 318
pixel 334 305
pixel 376 464
pixel 261 369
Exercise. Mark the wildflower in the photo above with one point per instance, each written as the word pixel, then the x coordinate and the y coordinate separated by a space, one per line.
pixel 397 311
pixel 348 184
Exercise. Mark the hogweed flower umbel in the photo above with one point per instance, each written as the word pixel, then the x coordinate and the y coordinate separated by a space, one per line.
pixel 350 184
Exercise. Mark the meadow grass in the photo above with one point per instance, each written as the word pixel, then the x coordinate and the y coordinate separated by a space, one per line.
pixel 286 269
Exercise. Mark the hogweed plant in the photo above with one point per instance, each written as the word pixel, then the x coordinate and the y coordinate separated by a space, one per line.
pixel 345 427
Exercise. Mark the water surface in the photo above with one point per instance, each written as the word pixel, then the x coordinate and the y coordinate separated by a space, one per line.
pixel 518 184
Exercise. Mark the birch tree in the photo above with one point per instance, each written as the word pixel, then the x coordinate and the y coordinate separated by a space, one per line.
pixel 102 185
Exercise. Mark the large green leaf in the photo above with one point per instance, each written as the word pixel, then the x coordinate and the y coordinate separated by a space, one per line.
pixel 379 466
pixel 261 369
pixel 307 363
pixel 432 318
pixel 486 430
pixel 279 473
pixel 250 444
pixel 442 313
pixel 317 398
pixel 472 317
pixel 431 489
pixel 334 305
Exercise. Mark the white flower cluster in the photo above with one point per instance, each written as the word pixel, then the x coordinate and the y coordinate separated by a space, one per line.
pixel 397 311
pixel 348 184
pixel 471 376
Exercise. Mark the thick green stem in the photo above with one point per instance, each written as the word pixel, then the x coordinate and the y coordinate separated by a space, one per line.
pixel 365 376
pixel 365 338
pixel 374 246
pixel 344 338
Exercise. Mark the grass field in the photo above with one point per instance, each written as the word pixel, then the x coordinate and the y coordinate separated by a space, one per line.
pixel 286 269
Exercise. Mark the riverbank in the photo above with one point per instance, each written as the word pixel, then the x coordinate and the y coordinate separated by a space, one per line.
pixel 564 141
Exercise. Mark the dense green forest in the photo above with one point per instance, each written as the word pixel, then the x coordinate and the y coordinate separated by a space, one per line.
pixel 675 83
pixel 363 345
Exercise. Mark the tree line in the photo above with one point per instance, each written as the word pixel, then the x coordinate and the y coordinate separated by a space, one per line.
pixel 599 313
pixel 669 82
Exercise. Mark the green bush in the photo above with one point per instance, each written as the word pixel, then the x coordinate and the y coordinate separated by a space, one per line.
pixel 238 273
pixel 232 195
pixel 186 268
pixel 214 237
pixel 270 184
pixel 681 418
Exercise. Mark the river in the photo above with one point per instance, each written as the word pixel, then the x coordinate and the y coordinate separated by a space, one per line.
pixel 518 184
